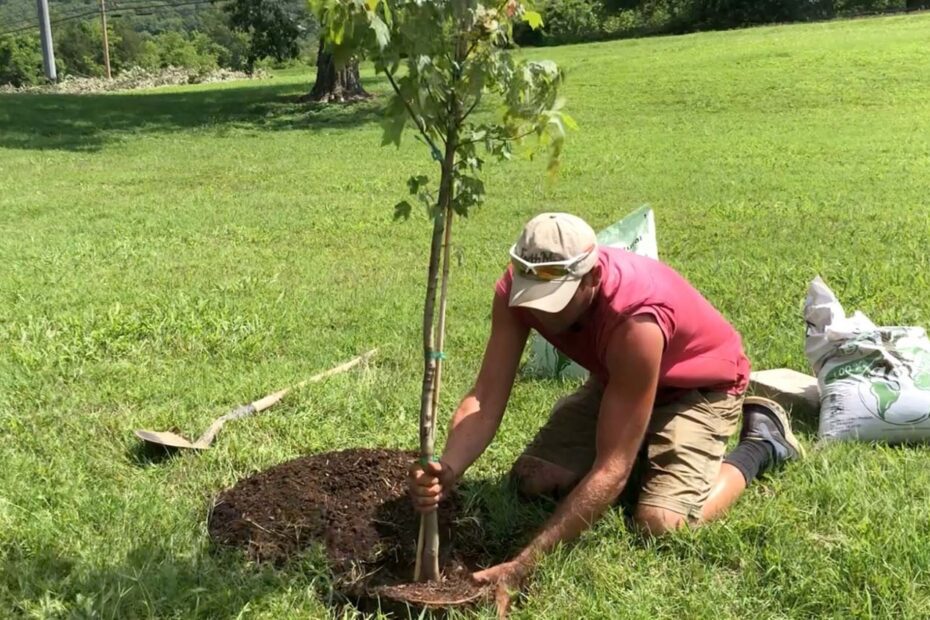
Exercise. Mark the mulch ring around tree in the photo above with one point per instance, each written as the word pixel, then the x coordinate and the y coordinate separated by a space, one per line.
pixel 354 504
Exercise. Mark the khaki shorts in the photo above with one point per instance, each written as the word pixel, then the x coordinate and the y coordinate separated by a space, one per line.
pixel 680 457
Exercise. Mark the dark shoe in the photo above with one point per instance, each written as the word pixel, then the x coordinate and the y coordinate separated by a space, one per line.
pixel 765 420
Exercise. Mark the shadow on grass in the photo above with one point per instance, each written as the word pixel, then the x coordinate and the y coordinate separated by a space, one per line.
pixel 88 122
pixel 142 454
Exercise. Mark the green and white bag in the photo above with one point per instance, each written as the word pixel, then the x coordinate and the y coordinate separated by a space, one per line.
pixel 637 233
pixel 874 381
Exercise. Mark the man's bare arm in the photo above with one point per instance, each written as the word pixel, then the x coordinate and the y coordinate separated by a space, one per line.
pixel 480 412
pixel 634 357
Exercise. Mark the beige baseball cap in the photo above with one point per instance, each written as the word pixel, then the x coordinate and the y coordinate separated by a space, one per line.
pixel 552 254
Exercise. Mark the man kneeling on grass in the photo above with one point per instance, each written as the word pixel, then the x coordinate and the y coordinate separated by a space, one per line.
pixel 668 376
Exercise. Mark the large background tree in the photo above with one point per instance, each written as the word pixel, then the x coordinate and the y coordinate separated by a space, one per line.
pixel 275 27
pixel 335 82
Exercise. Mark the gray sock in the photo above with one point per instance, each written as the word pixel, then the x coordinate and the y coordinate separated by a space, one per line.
pixel 751 457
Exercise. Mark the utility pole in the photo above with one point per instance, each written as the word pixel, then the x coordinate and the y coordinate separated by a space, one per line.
pixel 45 34
pixel 106 41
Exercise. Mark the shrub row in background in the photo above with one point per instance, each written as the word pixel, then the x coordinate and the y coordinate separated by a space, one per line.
pixel 578 21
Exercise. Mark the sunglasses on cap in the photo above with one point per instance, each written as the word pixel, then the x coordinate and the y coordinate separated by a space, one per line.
pixel 546 271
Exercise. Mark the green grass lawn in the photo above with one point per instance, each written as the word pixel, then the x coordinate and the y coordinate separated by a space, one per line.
pixel 166 255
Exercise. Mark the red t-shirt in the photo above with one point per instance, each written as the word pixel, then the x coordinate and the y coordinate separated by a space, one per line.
pixel 702 349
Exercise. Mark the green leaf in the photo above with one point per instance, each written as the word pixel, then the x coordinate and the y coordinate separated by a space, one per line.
pixel 556 127
pixel 318 7
pixel 534 19
pixel 393 121
pixel 393 128
pixel 569 121
pixel 469 193
pixel 388 14
pixel 337 32
pixel 382 33
pixel 414 183
pixel 402 210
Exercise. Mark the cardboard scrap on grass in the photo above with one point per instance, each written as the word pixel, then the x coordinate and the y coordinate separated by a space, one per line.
pixel 796 392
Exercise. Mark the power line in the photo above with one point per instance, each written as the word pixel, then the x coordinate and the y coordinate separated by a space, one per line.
pixel 114 7
pixel 27 15
pixel 162 3
pixel 131 5
pixel 53 22
pixel 27 18
pixel 145 5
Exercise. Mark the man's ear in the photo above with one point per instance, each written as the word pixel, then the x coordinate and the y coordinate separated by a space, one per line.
pixel 594 275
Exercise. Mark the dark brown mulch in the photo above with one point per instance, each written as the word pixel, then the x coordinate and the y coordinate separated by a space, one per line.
pixel 353 503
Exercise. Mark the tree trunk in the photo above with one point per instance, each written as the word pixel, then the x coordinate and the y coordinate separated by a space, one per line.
pixel 334 84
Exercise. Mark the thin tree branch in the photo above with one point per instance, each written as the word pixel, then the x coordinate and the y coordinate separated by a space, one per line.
pixel 416 119
pixel 471 49
pixel 472 107
pixel 464 60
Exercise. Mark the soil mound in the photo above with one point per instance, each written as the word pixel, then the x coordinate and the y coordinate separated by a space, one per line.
pixel 354 504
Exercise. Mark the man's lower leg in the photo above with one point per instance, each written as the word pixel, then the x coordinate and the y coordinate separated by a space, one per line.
pixel 534 477
pixel 766 440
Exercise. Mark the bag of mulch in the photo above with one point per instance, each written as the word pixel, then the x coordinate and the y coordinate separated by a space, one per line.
pixel 874 381
pixel 636 233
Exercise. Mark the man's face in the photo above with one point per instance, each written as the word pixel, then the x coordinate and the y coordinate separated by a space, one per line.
pixel 560 322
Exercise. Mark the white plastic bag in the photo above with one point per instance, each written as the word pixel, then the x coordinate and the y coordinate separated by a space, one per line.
pixel 637 233
pixel 874 381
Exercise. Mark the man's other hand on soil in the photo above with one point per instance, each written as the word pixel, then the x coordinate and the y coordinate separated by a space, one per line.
pixel 429 484
pixel 506 579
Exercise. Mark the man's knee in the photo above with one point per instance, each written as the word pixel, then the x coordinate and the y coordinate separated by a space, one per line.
pixel 534 477
pixel 655 521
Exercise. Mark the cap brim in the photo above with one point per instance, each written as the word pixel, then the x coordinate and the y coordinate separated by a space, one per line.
pixel 551 296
